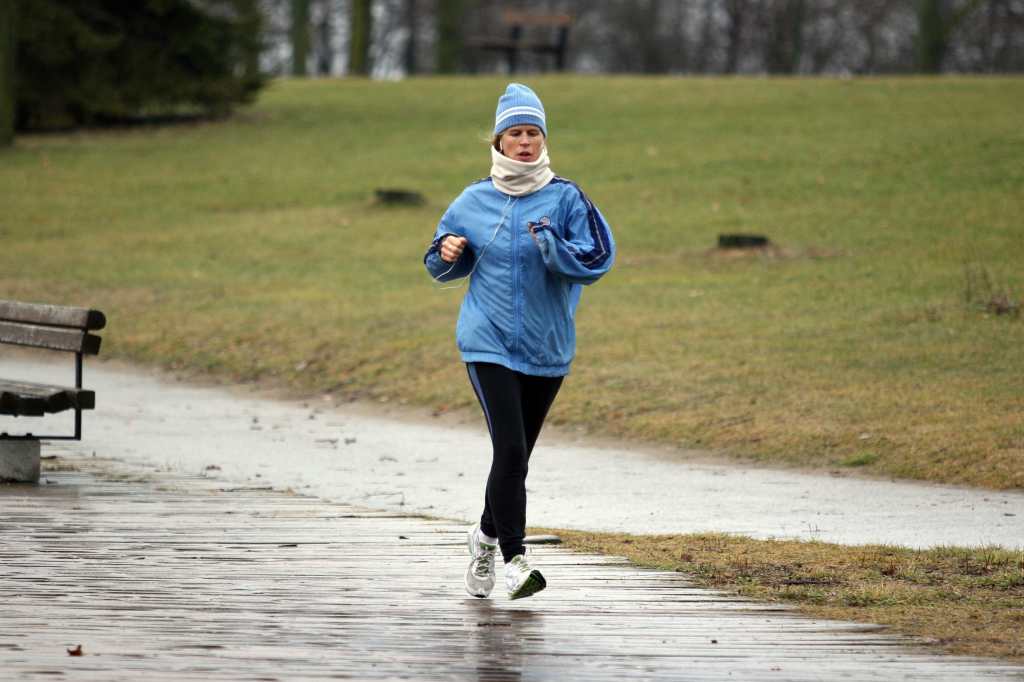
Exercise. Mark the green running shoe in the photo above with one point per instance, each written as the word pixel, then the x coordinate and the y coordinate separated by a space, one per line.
pixel 521 580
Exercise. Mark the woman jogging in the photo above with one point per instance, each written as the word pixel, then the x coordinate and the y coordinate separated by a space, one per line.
pixel 527 239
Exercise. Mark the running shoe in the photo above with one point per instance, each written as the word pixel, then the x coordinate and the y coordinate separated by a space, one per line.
pixel 480 573
pixel 521 580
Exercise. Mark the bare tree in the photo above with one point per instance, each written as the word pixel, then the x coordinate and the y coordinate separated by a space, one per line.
pixel 628 32
pixel 8 49
pixel 706 45
pixel 868 21
pixel 828 40
pixel 300 36
pixel 388 43
pixel 1006 44
pixel 360 32
pixel 738 12
pixel 936 21
pixel 323 47
pixel 665 36
pixel 449 35
pixel 411 43
pixel 990 40
pixel 783 28
pixel 648 16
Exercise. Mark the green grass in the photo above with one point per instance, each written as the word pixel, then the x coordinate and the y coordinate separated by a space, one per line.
pixel 252 250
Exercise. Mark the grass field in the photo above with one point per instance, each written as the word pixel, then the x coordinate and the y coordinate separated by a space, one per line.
pixel 252 250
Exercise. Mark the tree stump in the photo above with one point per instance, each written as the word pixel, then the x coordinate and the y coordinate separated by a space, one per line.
pixel 400 197
pixel 743 241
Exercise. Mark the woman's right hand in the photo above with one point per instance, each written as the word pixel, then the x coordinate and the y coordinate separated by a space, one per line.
pixel 452 248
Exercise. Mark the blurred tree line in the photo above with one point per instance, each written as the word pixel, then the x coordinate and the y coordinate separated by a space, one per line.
pixel 73 62
pixel 401 37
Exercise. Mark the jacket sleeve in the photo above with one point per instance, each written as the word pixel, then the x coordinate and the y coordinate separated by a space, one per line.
pixel 583 249
pixel 440 270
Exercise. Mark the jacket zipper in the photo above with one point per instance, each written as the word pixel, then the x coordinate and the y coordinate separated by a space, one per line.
pixel 515 283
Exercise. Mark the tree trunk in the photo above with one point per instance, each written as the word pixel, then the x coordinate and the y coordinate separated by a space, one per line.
pixel 871 59
pixel 680 48
pixel 931 36
pixel 251 20
pixel 1002 23
pixel 990 38
pixel 648 19
pixel 702 64
pixel 786 36
pixel 324 30
pixel 736 9
pixel 411 21
pixel 1008 57
pixel 8 48
pixel 936 21
pixel 361 23
pixel 868 22
pixel 300 36
pixel 449 35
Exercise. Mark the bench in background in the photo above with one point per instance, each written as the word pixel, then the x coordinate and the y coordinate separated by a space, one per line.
pixel 546 34
pixel 51 327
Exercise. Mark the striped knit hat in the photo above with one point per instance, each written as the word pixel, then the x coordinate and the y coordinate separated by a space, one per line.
pixel 519 106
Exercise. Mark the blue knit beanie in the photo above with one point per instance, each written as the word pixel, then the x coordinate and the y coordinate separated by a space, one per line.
pixel 519 106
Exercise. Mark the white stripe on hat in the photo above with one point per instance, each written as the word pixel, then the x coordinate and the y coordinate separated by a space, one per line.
pixel 520 111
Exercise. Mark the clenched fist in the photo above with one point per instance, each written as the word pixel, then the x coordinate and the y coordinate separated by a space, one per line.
pixel 452 247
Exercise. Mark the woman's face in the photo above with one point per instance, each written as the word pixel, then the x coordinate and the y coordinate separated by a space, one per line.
pixel 522 143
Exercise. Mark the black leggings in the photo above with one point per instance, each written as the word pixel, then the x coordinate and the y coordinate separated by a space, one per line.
pixel 515 405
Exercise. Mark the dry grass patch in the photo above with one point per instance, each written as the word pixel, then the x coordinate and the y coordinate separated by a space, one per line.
pixel 969 601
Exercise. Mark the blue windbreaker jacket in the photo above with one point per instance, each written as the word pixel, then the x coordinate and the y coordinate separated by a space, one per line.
pixel 520 308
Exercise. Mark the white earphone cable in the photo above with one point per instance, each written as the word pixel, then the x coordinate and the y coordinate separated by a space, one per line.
pixel 509 203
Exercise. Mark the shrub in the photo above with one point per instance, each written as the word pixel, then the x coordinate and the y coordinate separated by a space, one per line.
pixel 107 60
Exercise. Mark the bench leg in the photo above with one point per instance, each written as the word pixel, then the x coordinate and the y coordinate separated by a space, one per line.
pixel 19 460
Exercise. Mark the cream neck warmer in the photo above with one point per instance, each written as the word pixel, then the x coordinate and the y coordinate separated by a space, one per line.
pixel 520 177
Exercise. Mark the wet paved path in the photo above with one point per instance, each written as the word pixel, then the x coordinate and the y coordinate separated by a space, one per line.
pixel 163 576
pixel 438 467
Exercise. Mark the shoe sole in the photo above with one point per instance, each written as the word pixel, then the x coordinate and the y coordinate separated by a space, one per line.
pixel 533 584
pixel 478 595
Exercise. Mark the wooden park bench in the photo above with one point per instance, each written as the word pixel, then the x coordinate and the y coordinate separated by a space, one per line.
pixel 57 328
pixel 529 32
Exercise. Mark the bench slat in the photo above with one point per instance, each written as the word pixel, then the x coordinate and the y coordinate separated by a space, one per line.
pixel 519 18
pixel 24 399
pixel 52 315
pixel 53 338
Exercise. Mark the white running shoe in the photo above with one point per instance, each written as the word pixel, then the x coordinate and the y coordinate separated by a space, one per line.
pixel 480 573
pixel 521 580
